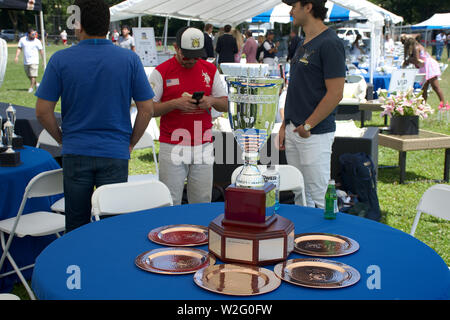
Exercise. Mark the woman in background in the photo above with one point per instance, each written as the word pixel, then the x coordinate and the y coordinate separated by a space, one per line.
pixel 416 54
pixel 240 44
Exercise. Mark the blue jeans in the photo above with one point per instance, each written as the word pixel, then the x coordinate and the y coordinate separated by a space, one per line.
pixel 81 175
pixel 439 49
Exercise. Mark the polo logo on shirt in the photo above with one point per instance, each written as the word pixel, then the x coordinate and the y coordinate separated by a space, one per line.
pixel 206 78
pixel 305 57
pixel 172 82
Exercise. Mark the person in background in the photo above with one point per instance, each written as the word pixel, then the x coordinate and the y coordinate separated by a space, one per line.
pixel 389 45
pixel 260 50
pixel 127 41
pixel 316 86
pixel 356 50
pixel 96 81
pixel 440 41
pixel 226 46
pixel 416 54
pixel 115 37
pixel 448 46
pixel 31 47
pixel 250 47
pixel 240 44
pixel 186 148
pixel 63 36
pixel 270 48
pixel 209 48
pixel 294 39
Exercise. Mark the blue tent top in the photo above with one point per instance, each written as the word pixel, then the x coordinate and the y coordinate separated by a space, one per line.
pixel 335 13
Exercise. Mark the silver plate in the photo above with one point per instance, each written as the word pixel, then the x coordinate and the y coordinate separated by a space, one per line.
pixel 324 245
pixel 180 235
pixel 174 260
pixel 317 273
pixel 237 279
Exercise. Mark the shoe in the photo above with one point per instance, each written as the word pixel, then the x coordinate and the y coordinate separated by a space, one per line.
pixel 30 90
pixel 37 85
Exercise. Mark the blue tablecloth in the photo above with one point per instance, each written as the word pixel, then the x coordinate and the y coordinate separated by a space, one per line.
pixel 13 181
pixel 104 252
pixel 380 81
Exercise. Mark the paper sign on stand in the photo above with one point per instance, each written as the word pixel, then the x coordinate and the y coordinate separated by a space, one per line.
pixel 146 46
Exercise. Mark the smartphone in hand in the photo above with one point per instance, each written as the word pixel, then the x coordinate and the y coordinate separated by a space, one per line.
pixel 198 95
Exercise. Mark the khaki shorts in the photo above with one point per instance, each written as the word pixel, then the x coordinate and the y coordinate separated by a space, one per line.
pixel 31 70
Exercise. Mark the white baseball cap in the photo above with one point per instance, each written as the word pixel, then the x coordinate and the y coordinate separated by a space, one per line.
pixel 191 42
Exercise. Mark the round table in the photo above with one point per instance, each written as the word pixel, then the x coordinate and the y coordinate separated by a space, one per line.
pixel 13 181
pixel 96 261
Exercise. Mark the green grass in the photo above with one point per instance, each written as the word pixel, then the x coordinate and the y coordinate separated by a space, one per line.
pixel 397 202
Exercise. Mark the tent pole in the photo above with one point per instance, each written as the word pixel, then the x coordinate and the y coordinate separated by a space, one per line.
pixel 43 38
pixel 166 27
pixel 139 21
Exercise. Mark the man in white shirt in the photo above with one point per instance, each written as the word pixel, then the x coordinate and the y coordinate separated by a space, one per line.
pixel 31 47
pixel 127 41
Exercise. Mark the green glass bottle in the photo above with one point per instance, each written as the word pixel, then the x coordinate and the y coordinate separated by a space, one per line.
pixel 331 206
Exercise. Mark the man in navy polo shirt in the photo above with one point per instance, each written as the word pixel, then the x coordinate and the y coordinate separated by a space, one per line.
pixel 316 85
pixel 96 81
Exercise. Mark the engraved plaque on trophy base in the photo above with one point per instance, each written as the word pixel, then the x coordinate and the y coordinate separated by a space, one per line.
pixel 17 142
pixel 250 207
pixel 10 159
pixel 240 244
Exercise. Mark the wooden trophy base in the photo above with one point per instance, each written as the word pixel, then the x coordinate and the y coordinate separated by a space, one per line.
pixel 249 245
pixel 250 207
pixel 10 159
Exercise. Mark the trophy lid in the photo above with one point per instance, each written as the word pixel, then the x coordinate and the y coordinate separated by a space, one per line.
pixel 10 108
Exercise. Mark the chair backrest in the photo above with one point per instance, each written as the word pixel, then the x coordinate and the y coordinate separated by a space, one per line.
pixel 146 141
pixel 290 177
pixel 119 198
pixel 46 138
pixel 47 183
pixel 436 202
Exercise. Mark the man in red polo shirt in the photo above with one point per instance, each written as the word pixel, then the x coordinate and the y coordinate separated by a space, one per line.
pixel 186 149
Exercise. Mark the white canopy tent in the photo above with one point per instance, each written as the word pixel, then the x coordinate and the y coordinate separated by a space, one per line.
pixel 437 21
pixel 234 12
pixel 218 12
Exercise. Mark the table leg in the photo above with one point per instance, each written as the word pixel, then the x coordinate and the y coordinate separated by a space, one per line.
pixel 402 164
pixel 385 120
pixel 447 165
pixel 363 116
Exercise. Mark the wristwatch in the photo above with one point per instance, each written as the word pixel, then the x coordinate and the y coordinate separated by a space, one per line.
pixel 306 126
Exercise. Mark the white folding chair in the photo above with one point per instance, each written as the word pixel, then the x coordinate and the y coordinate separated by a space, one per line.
pixel 291 179
pixel 146 142
pixel 34 224
pixel 436 202
pixel 119 198
pixel 46 138
pixel 8 296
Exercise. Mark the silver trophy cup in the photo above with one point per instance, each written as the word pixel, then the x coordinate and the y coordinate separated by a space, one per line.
pixel 11 116
pixel 253 105
pixel 9 131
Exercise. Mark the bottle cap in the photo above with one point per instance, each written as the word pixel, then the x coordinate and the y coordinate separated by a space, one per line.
pixel 331 182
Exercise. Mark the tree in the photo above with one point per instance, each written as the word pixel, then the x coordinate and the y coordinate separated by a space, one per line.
pixel 414 11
